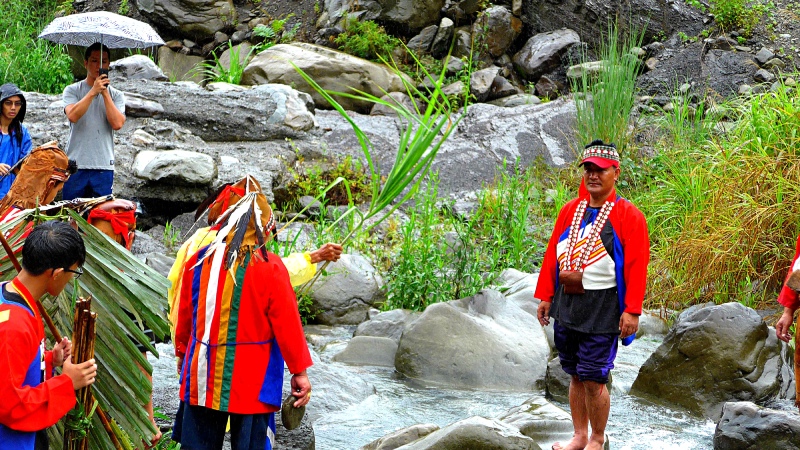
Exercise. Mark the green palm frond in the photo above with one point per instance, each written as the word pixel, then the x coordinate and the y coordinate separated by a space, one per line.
pixel 118 282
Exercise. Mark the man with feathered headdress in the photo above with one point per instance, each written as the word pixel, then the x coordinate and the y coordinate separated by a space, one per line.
pixel 237 322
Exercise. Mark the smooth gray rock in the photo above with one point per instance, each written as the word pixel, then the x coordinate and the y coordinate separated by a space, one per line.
pixel 483 341
pixel 401 437
pixel 474 433
pixel 591 19
pixel 331 69
pixel 160 262
pixel 712 355
pixel 557 381
pixel 263 112
pixel 541 421
pixel 763 76
pixel 747 426
pixel 350 288
pixel 542 52
pixel 422 42
pixel 199 19
pixel 444 35
pixel 415 14
pixel 396 98
pixel 179 67
pixel 136 67
pixel 389 324
pixel 177 166
pixel 516 100
pixel 480 83
pixel 763 56
pixel 497 29
pixel 502 88
pixel 138 106
pixel 368 351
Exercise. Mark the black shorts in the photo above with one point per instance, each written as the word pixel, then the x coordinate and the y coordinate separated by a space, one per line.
pixel 199 428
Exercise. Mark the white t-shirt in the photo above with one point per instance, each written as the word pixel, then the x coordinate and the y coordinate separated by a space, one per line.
pixel 91 139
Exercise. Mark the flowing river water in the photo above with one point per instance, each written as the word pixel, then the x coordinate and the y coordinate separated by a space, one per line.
pixel 393 402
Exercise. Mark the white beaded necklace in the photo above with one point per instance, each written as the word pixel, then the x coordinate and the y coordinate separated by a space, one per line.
pixel 591 239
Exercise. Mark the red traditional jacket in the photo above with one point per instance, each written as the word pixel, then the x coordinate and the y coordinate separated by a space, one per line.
pixel 234 329
pixel 27 403
pixel 788 296
pixel 630 229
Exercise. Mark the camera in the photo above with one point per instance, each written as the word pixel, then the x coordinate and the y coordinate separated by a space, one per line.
pixel 103 71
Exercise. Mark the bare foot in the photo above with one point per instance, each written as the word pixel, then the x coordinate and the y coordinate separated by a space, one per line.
pixel 576 443
pixel 596 443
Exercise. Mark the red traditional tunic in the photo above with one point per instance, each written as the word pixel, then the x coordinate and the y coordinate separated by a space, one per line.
pixel 630 228
pixel 227 328
pixel 27 404
pixel 788 296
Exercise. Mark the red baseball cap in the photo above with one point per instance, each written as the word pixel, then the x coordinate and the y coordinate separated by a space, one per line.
pixel 603 156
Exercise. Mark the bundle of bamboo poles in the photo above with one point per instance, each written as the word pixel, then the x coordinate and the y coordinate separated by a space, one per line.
pixel 76 435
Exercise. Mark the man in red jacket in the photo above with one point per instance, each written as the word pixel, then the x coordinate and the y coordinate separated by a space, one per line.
pixel 788 298
pixel 31 399
pixel 592 283
pixel 237 323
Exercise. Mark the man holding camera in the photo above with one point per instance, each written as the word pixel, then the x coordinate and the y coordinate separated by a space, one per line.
pixel 95 110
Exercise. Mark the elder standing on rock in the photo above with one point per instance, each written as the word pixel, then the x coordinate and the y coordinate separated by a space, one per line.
pixel 95 110
pixel 594 275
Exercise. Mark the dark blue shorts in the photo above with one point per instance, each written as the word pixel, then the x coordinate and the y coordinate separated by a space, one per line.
pixel 201 428
pixel 88 183
pixel 590 357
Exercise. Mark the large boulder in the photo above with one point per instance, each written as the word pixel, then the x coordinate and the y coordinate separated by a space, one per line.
pixel 389 324
pixel 179 67
pixel 474 433
pixel 497 29
pixel 258 114
pixel 330 69
pixel 350 288
pixel 136 67
pixel 401 437
pixel 542 52
pixel 747 426
pixel 479 342
pixel 712 355
pixel 522 134
pixel 591 19
pixel 541 421
pixel 177 166
pixel 414 14
pixel 368 351
pixel 198 19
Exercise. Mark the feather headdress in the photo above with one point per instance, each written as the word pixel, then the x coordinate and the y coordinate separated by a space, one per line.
pixel 243 228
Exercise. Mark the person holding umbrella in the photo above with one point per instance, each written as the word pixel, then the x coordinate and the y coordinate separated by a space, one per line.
pixel 95 110
pixel 15 142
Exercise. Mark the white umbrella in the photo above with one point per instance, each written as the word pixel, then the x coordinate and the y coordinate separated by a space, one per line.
pixel 109 29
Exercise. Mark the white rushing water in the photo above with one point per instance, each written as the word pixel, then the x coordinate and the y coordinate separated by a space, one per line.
pixel 635 424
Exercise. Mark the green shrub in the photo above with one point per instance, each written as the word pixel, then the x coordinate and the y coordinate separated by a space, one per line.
pixel 317 179
pixel 274 33
pixel 217 72
pixel 367 40
pixel 33 64
pixel 737 14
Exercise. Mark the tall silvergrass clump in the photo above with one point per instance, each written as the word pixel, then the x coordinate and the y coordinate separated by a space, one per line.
pixel 604 99
pixel 733 207
pixel 33 64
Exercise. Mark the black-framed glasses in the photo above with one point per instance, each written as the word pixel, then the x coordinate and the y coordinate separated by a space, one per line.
pixel 77 273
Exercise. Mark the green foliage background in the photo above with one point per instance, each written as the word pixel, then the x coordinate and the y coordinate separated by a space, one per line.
pixel 33 64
